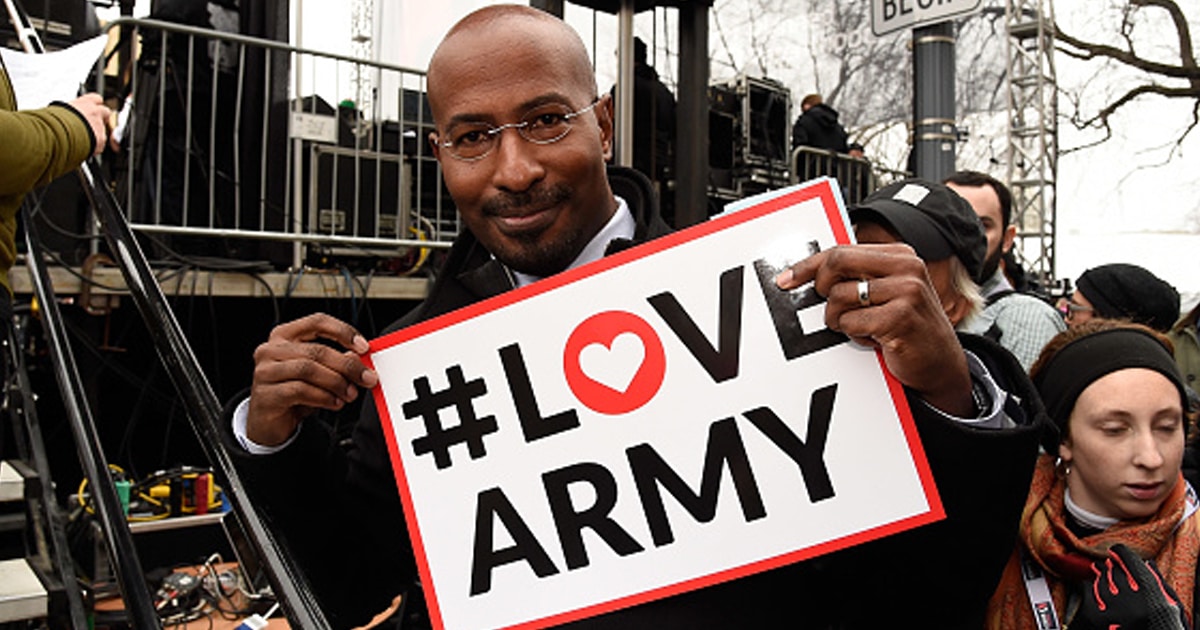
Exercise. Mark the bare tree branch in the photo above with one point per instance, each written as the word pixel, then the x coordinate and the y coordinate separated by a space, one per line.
pixel 1081 49
pixel 1159 78
pixel 1187 58
pixel 716 18
pixel 1152 88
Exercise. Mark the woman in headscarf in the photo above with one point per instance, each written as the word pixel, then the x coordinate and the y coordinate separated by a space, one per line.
pixel 1122 291
pixel 1110 533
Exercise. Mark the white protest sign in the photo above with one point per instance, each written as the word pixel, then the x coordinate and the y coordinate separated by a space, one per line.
pixel 658 421
pixel 40 79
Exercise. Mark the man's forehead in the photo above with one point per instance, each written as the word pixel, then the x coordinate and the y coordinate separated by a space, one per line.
pixel 465 107
pixel 518 68
pixel 499 96
pixel 982 198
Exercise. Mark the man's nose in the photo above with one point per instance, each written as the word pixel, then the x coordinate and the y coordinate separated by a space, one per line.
pixel 517 165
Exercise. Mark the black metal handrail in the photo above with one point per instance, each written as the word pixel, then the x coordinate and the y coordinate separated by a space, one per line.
pixel 289 584
pixel 204 410
pixel 139 603
pixel 51 541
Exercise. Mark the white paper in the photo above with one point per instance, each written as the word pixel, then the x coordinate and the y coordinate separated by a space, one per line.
pixel 41 79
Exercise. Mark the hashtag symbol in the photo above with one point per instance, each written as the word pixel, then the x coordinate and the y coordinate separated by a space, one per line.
pixel 457 395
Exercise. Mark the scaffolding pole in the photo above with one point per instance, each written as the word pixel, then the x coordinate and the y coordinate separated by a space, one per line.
pixel 1033 132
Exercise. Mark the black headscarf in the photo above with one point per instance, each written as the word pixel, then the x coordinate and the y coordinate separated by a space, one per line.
pixel 1122 291
pixel 1085 360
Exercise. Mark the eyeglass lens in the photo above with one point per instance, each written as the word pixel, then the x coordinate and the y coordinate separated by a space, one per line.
pixel 541 125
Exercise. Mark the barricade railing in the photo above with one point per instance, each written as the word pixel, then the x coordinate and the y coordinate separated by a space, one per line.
pixel 139 603
pixel 857 176
pixel 235 147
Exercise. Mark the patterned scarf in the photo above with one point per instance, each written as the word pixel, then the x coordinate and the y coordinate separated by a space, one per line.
pixel 1066 558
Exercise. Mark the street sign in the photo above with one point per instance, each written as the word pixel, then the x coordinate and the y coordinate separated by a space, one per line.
pixel 888 16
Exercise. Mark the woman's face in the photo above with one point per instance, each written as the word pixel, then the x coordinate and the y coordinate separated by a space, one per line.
pixel 1124 444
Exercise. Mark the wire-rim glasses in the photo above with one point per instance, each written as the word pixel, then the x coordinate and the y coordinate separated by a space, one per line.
pixel 1068 308
pixel 544 124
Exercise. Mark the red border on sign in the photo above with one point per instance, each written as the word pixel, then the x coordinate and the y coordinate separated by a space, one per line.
pixel 821 189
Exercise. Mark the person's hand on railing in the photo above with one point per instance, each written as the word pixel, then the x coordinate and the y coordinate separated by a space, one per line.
pixel 295 374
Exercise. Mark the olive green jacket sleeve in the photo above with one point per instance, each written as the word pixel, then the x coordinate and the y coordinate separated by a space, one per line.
pixel 36 147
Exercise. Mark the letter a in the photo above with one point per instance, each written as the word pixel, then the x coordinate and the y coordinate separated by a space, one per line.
pixel 492 504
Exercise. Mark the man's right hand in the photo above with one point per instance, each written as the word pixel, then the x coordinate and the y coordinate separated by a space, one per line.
pixel 295 375
pixel 91 106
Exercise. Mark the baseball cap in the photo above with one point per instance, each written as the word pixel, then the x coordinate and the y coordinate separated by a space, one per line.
pixel 930 217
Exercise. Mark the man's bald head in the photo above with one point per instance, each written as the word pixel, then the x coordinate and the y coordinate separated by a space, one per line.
pixel 501 27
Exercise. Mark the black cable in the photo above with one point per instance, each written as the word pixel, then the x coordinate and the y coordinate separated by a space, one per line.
pixel 82 278
pixel 135 415
pixel 36 201
pixel 271 292
pixel 215 345
pixel 365 307
pixel 207 263
pixel 292 284
pixel 350 289
pixel 107 362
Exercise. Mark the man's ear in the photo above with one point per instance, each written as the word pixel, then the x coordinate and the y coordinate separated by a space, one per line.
pixel 1010 234
pixel 956 308
pixel 435 146
pixel 604 115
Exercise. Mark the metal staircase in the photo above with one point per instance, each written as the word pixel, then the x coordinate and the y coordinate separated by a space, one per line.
pixel 37 574
pixel 22 595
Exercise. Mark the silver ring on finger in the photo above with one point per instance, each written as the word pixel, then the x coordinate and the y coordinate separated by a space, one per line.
pixel 864 293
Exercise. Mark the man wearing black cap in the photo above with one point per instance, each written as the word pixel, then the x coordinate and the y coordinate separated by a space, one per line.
pixel 940 226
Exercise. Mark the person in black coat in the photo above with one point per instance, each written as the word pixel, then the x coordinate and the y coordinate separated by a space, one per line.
pixel 653 127
pixel 817 126
pixel 535 205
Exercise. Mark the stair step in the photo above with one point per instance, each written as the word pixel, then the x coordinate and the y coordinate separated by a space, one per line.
pixel 12 484
pixel 21 592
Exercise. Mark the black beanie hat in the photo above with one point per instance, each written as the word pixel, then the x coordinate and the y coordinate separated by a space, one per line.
pixel 1122 291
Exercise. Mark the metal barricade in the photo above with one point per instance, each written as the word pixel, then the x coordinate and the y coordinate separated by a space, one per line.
pixel 231 149
pixel 857 176
pixel 853 174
